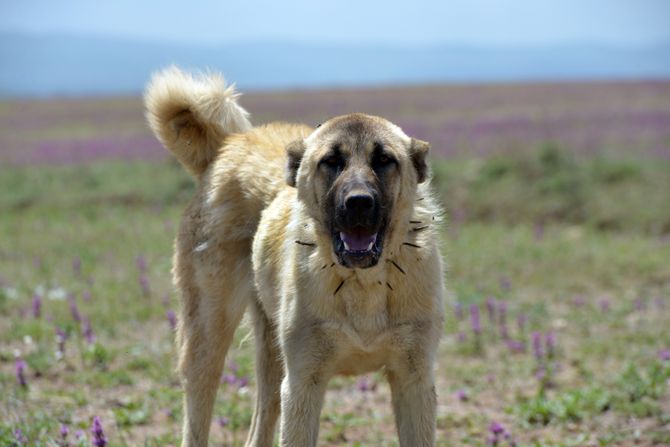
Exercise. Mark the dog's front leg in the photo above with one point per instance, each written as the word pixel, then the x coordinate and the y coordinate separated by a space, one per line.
pixel 301 402
pixel 412 383
pixel 306 355
pixel 414 403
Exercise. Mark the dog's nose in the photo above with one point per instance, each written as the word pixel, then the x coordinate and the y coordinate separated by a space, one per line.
pixel 359 203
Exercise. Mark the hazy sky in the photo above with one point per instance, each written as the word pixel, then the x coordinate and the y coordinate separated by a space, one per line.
pixel 411 22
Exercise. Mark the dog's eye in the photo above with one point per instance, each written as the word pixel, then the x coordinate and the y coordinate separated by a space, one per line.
pixel 382 161
pixel 332 161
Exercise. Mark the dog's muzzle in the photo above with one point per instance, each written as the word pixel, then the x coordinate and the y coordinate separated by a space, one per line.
pixel 358 236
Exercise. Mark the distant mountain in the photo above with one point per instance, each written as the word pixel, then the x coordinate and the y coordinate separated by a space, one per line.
pixel 48 65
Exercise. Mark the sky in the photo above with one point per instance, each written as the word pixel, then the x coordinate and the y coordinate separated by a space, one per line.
pixel 475 22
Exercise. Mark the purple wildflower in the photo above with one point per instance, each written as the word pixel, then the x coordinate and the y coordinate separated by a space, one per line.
pixel 144 284
pixel 87 330
pixel 516 346
pixel 604 305
pixel 550 343
pixel 19 437
pixel 579 301
pixel 521 320
pixel 461 337
pixel 365 384
pixel 99 439
pixel 458 311
pixel 502 320
pixel 20 367
pixel 86 294
pixel 141 263
pixel 63 435
pixel 474 319
pixel 664 354
pixel 172 319
pixel 242 381
pixel 168 413
pixel 640 305
pixel 233 366
pixel 659 303
pixel 461 395
pixel 498 433
pixel 496 428
pixel 537 345
pixel 229 379
pixel 37 306
pixel 223 421
pixel 491 309
pixel 74 310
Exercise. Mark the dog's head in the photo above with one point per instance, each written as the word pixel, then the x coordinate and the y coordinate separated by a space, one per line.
pixel 351 172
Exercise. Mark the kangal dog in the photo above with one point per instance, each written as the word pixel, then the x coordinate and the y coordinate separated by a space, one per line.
pixel 327 234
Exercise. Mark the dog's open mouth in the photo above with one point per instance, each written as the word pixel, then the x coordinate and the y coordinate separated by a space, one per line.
pixel 358 247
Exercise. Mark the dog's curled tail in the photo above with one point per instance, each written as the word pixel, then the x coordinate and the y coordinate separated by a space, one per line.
pixel 192 115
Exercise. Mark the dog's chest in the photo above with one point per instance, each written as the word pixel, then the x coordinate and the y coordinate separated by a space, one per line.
pixel 363 310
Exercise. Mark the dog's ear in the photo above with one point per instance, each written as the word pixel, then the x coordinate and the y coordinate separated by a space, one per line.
pixel 418 152
pixel 295 150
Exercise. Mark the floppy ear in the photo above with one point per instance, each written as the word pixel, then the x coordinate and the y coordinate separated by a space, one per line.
pixel 418 152
pixel 295 150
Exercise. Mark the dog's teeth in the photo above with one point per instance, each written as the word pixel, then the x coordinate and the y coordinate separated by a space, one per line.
pixel 343 239
pixel 371 244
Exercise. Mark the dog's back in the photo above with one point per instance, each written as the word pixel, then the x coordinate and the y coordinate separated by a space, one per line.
pixel 239 170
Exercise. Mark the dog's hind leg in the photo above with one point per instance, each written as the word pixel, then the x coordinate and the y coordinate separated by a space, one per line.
pixel 214 298
pixel 269 375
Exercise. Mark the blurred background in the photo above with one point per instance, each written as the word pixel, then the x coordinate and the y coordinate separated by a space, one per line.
pixel 550 132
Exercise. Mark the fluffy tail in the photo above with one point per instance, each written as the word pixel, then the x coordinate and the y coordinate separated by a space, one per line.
pixel 191 116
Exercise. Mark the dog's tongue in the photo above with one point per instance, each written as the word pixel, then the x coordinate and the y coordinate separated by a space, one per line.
pixel 358 240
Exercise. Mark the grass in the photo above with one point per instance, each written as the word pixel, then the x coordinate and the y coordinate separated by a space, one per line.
pixel 576 248
pixel 551 185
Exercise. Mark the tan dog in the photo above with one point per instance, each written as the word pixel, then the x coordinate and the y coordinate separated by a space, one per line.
pixel 328 234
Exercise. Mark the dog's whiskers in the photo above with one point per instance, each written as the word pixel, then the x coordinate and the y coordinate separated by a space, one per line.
pixel 395 264
pixel 417 229
pixel 339 287
pixel 307 244
pixel 409 244
pixel 415 222
pixel 389 286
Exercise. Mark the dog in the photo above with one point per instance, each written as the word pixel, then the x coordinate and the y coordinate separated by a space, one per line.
pixel 329 235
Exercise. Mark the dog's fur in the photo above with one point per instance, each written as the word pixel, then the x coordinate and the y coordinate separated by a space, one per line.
pixel 262 232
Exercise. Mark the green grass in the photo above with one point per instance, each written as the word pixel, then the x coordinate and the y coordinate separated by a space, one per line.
pixel 603 240
pixel 551 186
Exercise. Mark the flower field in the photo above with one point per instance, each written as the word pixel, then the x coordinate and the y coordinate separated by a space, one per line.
pixel 557 244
